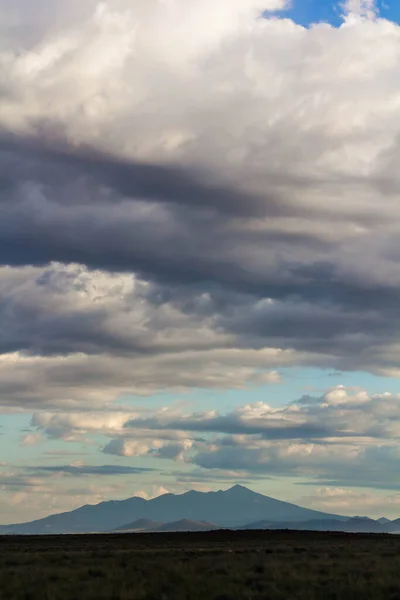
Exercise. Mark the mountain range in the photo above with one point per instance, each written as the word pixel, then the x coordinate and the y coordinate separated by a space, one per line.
pixel 349 525
pixel 235 508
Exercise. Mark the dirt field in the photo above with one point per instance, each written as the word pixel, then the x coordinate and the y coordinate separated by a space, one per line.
pixel 210 566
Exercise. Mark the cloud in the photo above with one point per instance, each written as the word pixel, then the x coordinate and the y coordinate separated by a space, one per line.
pixel 11 480
pixel 160 448
pixel 71 337
pixel 154 492
pixel 218 188
pixel 359 448
pixel 345 437
pixel 360 9
pixel 196 476
pixel 106 470
pixel 351 502
pixel 28 495
pixel 79 382
pixel 346 465
pixel 30 439
pixel 338 414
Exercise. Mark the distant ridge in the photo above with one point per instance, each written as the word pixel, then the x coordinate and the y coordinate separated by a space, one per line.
pixel 139 525
pixel 184 525
pixel 350 525
pixel 232 508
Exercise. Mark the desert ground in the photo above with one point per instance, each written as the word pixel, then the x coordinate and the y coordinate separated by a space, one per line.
pixel 193 566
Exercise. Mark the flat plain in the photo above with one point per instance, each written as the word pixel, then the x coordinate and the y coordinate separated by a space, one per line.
pixel 219 565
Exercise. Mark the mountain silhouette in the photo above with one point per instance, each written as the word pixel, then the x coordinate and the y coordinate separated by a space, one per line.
pixel 231 508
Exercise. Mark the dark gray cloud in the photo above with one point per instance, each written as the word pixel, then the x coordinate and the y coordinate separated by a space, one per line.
pixel 187 235
pixel 234 425
pixel 200 181
pixel 107 213
pixel 142 207
pixel 54 165
pixel 100 470
pixel 15 482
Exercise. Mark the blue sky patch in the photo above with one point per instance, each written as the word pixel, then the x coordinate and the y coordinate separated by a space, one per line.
pixel 307 12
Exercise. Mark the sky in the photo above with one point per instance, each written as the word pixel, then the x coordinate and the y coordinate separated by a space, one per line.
pixel 199 256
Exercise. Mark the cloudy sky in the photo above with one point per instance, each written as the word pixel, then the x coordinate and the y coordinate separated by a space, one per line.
pixel 199 251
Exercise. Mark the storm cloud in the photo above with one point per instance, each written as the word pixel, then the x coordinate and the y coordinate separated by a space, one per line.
pixel 274 220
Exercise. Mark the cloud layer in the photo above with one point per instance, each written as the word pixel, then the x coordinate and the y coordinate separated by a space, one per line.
pixel 237 178
pixel 344 437
pixel 198 207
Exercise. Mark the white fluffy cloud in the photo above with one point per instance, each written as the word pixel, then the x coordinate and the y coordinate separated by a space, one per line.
pixel 361 9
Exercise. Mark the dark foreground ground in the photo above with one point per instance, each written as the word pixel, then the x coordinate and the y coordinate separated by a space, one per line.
pixel 211 566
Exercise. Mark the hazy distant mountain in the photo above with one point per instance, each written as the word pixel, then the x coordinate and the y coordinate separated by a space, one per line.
pixel 185 525
pixel 393 526
pixel 350 525
pixel 234 507
pixel 365 525
pixel 139 525
pixel 345 524
pixel 384 520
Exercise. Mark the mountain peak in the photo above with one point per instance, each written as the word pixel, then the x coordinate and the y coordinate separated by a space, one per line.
pixel 383 520
pixel 239 489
